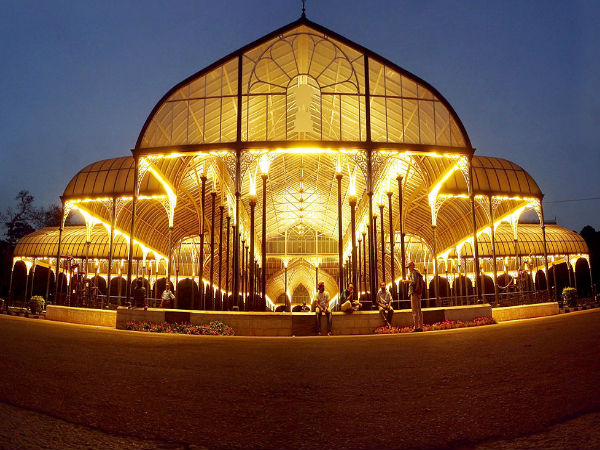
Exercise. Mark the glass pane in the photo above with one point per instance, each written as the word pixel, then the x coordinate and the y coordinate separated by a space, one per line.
pixel 351 118
pixel 426 121
pixel 411 121
pixel 376 78
pixel 378 120
pixel 331 118
pixel 442 124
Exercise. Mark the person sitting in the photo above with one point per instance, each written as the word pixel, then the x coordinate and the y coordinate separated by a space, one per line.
pixel 139 295
pixel 304 307
pixel 349 303
pixel 322 307
pixel 167 297
pixel 384 304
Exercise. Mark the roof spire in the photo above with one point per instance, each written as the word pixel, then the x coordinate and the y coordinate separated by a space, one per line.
pixel 303 9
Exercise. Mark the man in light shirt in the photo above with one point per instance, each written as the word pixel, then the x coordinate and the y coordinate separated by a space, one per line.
pixel 167 297
pixel 384 304
pixel 322 307
pixel 415 290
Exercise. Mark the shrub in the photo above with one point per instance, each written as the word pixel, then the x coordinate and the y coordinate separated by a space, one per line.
pixel 36 304
pixel 569 296
pixel 446 325
pixel 214 328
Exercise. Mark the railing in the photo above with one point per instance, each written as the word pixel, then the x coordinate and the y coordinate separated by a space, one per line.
pixel 505 299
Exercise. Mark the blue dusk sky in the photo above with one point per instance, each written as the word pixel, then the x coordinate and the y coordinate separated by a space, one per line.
pixel 79 78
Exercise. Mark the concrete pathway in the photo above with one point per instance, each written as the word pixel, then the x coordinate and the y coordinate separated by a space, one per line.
pixel 448 389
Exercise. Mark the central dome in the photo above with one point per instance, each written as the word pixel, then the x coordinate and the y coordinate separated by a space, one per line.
pixel 302 83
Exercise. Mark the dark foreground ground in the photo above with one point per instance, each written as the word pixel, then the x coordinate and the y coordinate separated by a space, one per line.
pixel 526 384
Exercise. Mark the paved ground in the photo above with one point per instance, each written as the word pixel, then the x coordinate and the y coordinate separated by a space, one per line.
pixel 461 388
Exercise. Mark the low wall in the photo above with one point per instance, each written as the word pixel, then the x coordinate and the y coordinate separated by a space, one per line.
pixel 298 324
pixel 243 323
pixel 525 311
pixel 84 316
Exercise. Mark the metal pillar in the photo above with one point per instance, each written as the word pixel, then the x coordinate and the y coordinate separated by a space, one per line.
pixel 252 201
pixel 543 225
pixel 338 176
pixel 202 302
pixel 47 283
pixel 478 284
pixel 243 276
pixel 352 201
pixel 132 229
pixel 493 237
pixel 391 232
pixel 364 274
pixel 213 197
pixel 227 261
pixel 60 231
pixel 382 243
pixel 359 271
pixel 374 253
pixel 371 230
pixel 402 235
pixel 221 207
pixel 436 277
pixel 285 287
pixel 169 262
pixel 247 263
pixel 556 295
pixel 113 220
pixel 264 237
pixel 316 275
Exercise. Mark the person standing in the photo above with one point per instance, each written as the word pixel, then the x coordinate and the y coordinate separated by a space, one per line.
pixel 139 295
pixel 322 308
pixel 415 290
pixel 384 304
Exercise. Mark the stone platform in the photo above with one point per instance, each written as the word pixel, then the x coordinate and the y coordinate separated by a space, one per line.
pixel 292 324
pixel 299 324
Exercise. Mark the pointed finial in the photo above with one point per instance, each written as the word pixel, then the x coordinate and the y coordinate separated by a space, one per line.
pixel 303 8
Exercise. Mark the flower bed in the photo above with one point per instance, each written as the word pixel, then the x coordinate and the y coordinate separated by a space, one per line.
pixel 447 325
pixel 214 328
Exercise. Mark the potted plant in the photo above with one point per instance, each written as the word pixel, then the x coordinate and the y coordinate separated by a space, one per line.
pixel 569 296
pixel 36 304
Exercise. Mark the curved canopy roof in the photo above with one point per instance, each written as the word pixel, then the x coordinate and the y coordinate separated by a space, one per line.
pixel 44 244
pixel 494 176
pixel 559 241
pixel 109 178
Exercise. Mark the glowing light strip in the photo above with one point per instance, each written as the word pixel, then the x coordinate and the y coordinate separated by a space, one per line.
pixel 121 197
pixel 168 188
pixel 504 218
pixel 143 247
pixel 436 189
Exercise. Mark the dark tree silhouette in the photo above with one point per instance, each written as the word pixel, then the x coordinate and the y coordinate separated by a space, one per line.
pixel 17 221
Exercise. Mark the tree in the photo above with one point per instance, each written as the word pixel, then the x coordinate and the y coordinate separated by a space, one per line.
pixel 17 220
pixel 47 217
pixel 21 219
pixel 592 239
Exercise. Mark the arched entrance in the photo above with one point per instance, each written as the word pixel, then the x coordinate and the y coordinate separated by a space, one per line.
pixel 300 295
pixel 540 280
pixel 186 291
pixel 582 277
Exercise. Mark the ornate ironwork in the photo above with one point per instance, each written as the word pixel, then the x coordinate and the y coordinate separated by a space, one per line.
pixel 435 206
pixel 463 165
